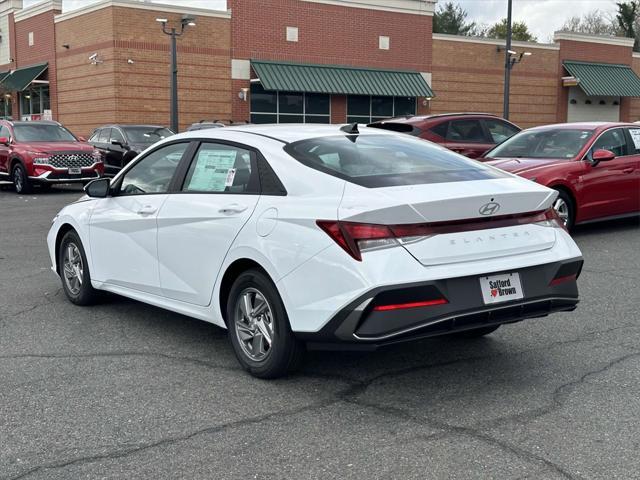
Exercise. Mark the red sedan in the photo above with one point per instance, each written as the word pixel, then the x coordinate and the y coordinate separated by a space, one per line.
pixel 594 166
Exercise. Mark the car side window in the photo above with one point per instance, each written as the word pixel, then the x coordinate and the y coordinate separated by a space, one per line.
pixel 104 135
pixel 465 131
pixel 218 168
pixel 116 136
pixel 95 136
pixel 4 132
pixel 634 147
pixel 613 140
pixel 500 130
pixel 153 173
pixel 441 129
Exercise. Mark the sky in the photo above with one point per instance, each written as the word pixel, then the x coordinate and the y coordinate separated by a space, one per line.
pixel 542 16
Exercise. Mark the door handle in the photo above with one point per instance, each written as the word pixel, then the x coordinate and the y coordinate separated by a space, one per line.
pixel 628 170
pixel 233 208
pixel 146 210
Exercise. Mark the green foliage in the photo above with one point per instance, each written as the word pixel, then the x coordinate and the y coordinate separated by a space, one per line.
pixel 519 31
pixel 452 19
pixel 627 19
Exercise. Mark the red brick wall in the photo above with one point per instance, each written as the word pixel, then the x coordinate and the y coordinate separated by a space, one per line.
pixel 470 77
pixel 591 52
pixel 634 103
pixel 327 34
pixel 117 91
pixel 42 50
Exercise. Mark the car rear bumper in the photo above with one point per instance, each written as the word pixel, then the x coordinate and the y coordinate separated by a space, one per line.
pixel 359 327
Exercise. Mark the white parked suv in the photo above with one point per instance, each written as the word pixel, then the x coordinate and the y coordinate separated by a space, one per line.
pixel 299 235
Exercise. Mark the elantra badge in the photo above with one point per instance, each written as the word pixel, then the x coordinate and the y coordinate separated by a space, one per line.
pixel 489 208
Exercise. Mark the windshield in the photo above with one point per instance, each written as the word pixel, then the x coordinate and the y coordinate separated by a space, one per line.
pixel 385 160
pixel 146 135
pixel 558 143
pixel 39 132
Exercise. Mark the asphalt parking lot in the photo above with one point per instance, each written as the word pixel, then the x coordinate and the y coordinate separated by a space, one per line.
pixel 125 390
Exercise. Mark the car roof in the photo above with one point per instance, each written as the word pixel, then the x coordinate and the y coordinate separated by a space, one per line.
pixel 124 125
pixel 31 122
pixel 288 133
pixel 422 118
pixel 583 126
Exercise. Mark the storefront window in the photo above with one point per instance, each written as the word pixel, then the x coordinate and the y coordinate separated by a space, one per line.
pixel 5 107
pixel 366 109
pixel 34 102
pixel 289 107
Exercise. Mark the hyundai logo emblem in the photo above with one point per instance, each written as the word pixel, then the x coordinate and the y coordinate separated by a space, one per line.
pixel 489 208
pixel 73 158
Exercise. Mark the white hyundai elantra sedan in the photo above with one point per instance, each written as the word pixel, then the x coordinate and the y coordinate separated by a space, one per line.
pixel 294 236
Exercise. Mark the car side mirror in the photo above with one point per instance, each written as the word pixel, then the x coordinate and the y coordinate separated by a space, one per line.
pixel 4 141
pixel 98 188
pixel 602 156
pixel 118 143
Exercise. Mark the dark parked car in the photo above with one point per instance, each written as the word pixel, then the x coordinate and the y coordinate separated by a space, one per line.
pixel 470 134
pixel 119 144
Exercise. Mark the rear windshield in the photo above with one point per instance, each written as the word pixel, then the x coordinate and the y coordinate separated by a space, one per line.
pixel 147 135
pixel 385 160
pixel 558 143
pixel 39 132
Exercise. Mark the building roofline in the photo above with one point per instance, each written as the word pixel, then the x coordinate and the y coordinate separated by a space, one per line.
pixel 37 9
pixel 494 41
pixel 412 7
pixel 156 7
pixel 603 39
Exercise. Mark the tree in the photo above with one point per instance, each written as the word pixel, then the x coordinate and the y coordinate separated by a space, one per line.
pixel 519 31
pixel 452 19
pixel 592 23
pixel 627 18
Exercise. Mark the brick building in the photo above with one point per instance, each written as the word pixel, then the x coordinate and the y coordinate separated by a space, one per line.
pixel 293 61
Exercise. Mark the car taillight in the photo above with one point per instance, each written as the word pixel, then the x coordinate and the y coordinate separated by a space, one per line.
pixel 356 238
pixel 550 218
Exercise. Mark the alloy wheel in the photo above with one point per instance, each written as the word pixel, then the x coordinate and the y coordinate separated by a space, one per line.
pixel 73 269
pixel 562 208
pixel 254 324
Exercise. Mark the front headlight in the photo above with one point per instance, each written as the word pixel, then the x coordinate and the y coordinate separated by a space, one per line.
pixel 40 160
pixel 97 156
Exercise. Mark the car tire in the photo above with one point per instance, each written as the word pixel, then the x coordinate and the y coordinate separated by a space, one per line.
pixel 476 332
pixel 565 208
pixel 259 328
pixel 20 179
pixel 74 271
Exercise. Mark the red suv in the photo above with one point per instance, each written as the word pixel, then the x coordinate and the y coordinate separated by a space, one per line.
pixel 45 153
pixel 470 134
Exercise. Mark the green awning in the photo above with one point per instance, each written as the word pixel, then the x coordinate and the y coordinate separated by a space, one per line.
pixel 21 78
pixel 302 77
pixel 4 75
pixel 605 79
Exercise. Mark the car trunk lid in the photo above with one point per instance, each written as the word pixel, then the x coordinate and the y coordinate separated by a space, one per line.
pixel 457 204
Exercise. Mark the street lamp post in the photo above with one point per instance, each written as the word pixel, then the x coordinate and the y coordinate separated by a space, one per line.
pixel 507 64
pixel 174 34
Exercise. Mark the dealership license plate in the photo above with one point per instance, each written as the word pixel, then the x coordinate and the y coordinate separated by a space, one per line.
pixel 501 288
pixel 75 171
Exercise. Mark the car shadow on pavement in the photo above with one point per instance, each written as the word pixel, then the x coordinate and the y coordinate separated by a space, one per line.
pixel 608 227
